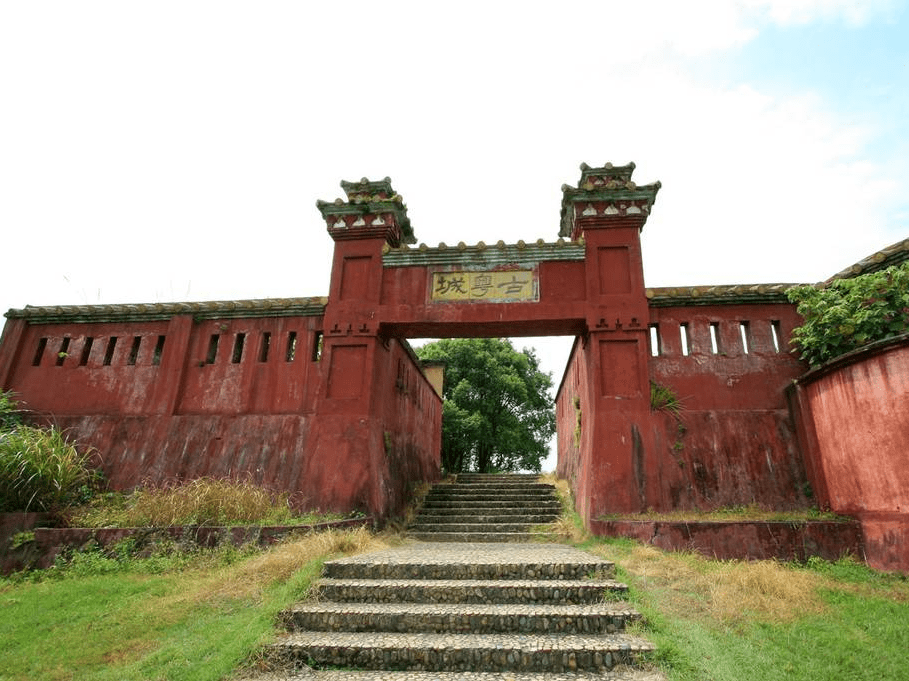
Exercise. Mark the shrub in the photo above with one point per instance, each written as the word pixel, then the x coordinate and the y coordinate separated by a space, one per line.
pixel 41 471
pixel 850 313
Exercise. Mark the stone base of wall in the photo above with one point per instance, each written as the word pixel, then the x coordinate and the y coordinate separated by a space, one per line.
pixel 743 540
pixel 886 541
pixel 50 542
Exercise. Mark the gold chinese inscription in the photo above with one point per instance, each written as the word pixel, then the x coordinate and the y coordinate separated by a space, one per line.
pixel 498 286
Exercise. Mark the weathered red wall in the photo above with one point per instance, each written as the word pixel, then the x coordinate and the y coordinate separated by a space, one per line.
pixel 191 410
pixel 734 441
pixel 852 416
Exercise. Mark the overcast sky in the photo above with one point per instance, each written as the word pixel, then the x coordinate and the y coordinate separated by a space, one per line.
pixel 163 151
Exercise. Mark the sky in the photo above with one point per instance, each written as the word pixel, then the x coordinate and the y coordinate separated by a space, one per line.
pixel 168 151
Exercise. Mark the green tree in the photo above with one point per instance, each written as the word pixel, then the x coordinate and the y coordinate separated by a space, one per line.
pixel 498 414
pixel 850 313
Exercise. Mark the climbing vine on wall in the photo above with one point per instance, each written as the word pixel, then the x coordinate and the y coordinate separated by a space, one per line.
pixel 850 313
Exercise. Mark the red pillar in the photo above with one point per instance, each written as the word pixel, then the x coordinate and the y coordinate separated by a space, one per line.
pixel 345 451
pixel 607 211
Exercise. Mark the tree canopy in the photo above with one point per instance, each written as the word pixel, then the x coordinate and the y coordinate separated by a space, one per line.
pixel 498 414
pixel 850 313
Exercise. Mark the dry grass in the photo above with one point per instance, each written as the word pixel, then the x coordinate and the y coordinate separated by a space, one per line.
pixel 568 527
pixel 248 579
pixel 203 501
pixel 728 591
pixel 749 512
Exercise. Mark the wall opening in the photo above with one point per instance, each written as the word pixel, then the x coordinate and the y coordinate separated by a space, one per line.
pixel 237 355
pixel 159 350
pixel 683 336
pixel 134 351
pixel 715 346
pixel 655 340
pixel 291 352
pixel 86 350
pixel 744 332
pixel 63 352
pixel 109 351
pixel 775 334
pixel 212 354
pixel 39 352
pixel 264 347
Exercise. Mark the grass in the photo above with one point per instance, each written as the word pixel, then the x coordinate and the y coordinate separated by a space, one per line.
pixel 179 616
pixel 732 620
pixel 749 512
pixel 203 501
pixel 41 471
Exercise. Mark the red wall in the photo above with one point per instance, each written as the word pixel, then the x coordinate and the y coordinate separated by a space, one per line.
pixel 852 416
pixel 186 407
pixel 734 442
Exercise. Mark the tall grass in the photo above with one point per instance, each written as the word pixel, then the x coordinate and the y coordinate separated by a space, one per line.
pixel 41 471
pixel 203 501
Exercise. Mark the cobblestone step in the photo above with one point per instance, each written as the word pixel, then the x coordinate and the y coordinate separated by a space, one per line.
pixel 461 618
pixel 308 674
pixel 488 537
pixel 467 652
pixel 500 512
pixel 492 484
pixel 473 504
pixel 468 591
pixel 498 518
pixel 479 527
pixel 427 560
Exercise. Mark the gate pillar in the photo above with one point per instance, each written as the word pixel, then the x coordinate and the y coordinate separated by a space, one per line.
pixel 607 211
pixel 345 459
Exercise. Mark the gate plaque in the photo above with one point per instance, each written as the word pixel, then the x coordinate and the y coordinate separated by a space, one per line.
pixel 495 286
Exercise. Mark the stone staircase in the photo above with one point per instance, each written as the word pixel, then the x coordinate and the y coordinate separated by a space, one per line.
pixel 480 602
pixel 469 610
pixel 486 508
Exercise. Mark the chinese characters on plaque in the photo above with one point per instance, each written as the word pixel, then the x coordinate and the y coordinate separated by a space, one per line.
pixel 496 286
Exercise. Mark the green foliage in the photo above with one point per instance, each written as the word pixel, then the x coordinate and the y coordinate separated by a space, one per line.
pixel 663 398
pixel 9 412
pixel 498 414
pixel 41 471
pixel 850 313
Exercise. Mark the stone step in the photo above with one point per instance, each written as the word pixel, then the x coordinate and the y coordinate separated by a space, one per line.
pixel 479 528
pixel 465 561
pixel 462 652
pixel 497 518
pixel 501 511
pixel 485 537
pixel 496 502
pixel 457 618
pixel 468 591
pixel 306 674
pixel 483 485
pixel 491 490
pixel 497 477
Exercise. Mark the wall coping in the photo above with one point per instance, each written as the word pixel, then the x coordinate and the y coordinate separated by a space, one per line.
pixel 481 255
pixel 144 312
pixel 734 294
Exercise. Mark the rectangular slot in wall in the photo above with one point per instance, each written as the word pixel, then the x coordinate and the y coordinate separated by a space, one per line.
pixel 654 340
pixel 39 352
pixel 109 350
pixel 683 336
pixel 746 340
pixel 134 351
pixel 212 348
pixel 159 350
pixel 317 346
pixel 86 350
pixel 715 338
pixel 291 347
pixel 237 355
pixel 64 351
pixel 775 334
pixel 264 347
